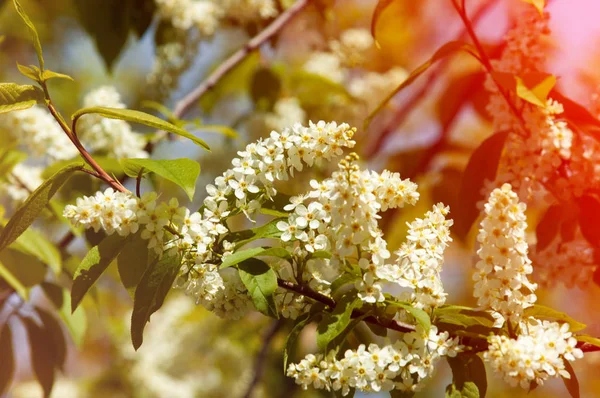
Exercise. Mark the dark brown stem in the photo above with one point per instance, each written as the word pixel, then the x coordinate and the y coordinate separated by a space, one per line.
pixel 328 301
pixel 261 359
pixel 184 105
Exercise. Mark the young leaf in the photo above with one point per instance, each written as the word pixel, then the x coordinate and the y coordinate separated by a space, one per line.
pixel 335 323
pixel 34 35
pixel 139 117
pixel 571 383
pixel 242 255
pixel 93 265
pixel 16 97
pixel 34 243
pixel 150 294
pixel 7 364
pixel 468 376
pixel 589 339
pixel 261 282
pixel 444 51
pixel 269 230
pixel 538 4
pixel 420 316
pixel 132 262
pixel 542 312
pixel 48 74
pixel 532 87
pixel 53 329
pixel 43 355
pixel 33 206
pixel 483 165
pixel 183 172
pixel 32 71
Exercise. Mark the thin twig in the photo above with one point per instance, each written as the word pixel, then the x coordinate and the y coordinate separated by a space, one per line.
pixel 401 115
pixel 184 105
pixel 328 301
pixel 261 359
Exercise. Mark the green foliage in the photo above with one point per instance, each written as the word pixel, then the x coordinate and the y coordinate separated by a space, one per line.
pixel 265 88
pixel 589 339
pixel 34 35
pixel 420 316
pixel 93 265
pixel 138 117
pixel 543 312
pixel 16 97
pixel 54 332
pixel 292 338
pixel 468 377
pixel 21 271
pixel 34 243
pixel 151 292
pixel 482 165
pixel 108 164
pixel 261 282
pixel 44 358
pixel 133 261
pixel 462 316
pixel 7 364
pixel 571 383
pixel 33 206
pixel 76 322
pixel 242 255
pixel 334 324
pixel 37 75
pixel 183 172
pixel 246 236
pixel 121 15
pixel 9 159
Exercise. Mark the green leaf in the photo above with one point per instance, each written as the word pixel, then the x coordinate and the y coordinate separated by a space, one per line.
pixel 33 206
pixel 140 15
pixel 108 164
pixel 183 172
pixel 93 265
pixel 107 22
pixel 32 71
pixel 34 243
pixel 265 88
pixel 589 339
pixel 7 364
pixel 9 159
pixel 16 97
pixel 290 340
pixel 420 316
pixel 483 165
pixel 542 312
pixel 150 294
pixel 21 271
pixel 462 316
pixel 469 378
pixel 75 322
pixel 334 324
pixel 34 35
pixel 444 51
pixel 215 128
pixel 532 87
pixel 53 329
pixel 345 279
pixel 269 230
pixel 48 74
pixel 138 117
pixel 261 282
pixel 320 254
pixel 242 255
pixel 43 355
pixel 571 383
pixel 132 262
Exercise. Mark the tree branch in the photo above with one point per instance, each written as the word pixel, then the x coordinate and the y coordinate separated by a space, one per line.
pixel 184 105
pixel 261 358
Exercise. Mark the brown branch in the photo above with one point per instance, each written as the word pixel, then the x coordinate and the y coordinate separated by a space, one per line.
pixel 261 358
pixel 184 105
pixel 328 301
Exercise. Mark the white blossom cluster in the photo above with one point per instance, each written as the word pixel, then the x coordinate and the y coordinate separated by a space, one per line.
pixel 21 181
pixel 199 236
pixel 501 280
pixel 353 46
pixel 246 11
pixel 203 15
pixel 539 142
pixel 373 87
pixel 37 131
pixel 111 136
pixel 286 112
pixel 403 365
pixel 537 354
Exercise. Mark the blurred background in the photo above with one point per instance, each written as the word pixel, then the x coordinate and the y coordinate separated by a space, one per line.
pixel 322 65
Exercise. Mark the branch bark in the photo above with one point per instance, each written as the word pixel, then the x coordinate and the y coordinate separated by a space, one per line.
pixel 261 358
